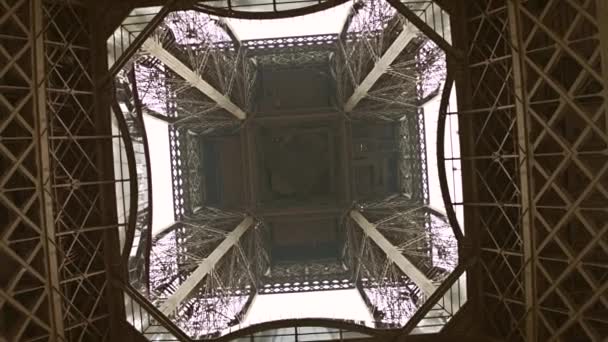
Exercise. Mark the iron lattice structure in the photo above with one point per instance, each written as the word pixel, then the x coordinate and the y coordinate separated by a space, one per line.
pixel 422 235
pixel 204 51
pixel 201 44
pixel 57 233
pixel 291 51
pixel 405 70
pixel 533 107
pixel 223 297
pixel 532 119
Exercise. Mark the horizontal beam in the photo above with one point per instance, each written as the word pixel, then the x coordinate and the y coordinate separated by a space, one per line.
pixel 204 268
pixel 157 50
pixel 409 269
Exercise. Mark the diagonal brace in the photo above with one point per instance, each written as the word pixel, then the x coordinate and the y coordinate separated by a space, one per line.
pixel 410 31
pixel 157 50
pixel 205 267
pixel 406 266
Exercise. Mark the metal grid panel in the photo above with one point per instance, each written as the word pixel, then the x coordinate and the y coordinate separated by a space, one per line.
pixel 52 193
pixel 538 105
pixel 389 286
pixel 76 139
pixel 28 301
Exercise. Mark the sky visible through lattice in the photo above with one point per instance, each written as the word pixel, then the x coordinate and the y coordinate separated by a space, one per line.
pixel 344 304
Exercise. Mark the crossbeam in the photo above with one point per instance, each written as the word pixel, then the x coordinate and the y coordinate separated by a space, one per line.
pixel 409 32
pixel 204 268
pixel 157 50
pixel 406 266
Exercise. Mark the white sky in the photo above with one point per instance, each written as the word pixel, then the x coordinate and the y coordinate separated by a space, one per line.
pixel 339 304
pixel 452 149
pixel 323 22
pixel 160 157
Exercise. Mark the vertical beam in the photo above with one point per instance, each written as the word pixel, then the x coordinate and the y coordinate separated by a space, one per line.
pixel 462 83
pixel 346 149
pixel 204 267
pixel 409 269
pixel 45 186
pixel 524 161
pixel 157 50
pixel 602 14
pixel 103 100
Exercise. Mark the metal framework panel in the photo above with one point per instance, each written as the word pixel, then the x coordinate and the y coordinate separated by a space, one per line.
pixel 536 99
pixel 534 106
pixel 204 268
pixel 157 50
pixel 55 176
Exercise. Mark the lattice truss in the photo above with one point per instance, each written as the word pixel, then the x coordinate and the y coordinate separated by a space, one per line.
pixel 200 50
pixel 53 176
pixel 391 296
pixel 537 160
pixel 291 51
pixel 304 276
pixel 412 164
pixel 194 186
pixel 205 49
pixel 385 67
pixel 385 70
pixel 222 297
pixel 420 234
pixel 367 34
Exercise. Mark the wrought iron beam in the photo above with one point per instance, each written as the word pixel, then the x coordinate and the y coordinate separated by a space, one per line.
pixel 45 173
pixel 410 31
pixel 204 268
pixel 525 156
pixel 408 268
pixel 157 50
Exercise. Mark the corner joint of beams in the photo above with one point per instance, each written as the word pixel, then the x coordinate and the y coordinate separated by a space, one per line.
pixel 195 80
pixel 406 266
pixel 381 66
pixel 205 267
